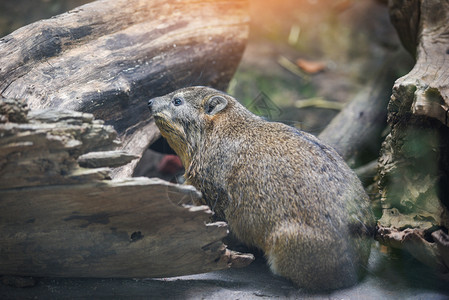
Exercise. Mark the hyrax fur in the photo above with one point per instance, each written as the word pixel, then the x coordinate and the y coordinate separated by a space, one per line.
pixel 280 189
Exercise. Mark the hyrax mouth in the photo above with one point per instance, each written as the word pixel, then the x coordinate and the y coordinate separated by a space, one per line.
pixel 168 128
pixel 175 136
pixel 161 119
pixel 158 117
pixel 162 123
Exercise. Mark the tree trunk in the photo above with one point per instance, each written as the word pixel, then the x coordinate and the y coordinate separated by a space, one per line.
pixel 414 162
pixel 109 58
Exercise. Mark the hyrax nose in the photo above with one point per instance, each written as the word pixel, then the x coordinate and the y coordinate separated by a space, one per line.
pixel 150 104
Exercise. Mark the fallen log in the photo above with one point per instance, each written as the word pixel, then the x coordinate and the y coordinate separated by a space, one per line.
pixel 414 161
pixel 61 219
pixel 109 57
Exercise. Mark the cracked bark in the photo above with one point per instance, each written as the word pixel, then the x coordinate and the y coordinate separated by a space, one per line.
pixel 414 161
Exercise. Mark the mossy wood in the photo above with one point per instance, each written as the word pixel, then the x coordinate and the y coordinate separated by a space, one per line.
pixel 414 162
pixel 60 219
pixel 109 57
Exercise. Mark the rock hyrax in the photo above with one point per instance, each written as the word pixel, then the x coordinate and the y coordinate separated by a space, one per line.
pixel 280 189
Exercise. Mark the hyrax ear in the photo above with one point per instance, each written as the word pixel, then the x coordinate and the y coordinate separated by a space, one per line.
pixel 215 104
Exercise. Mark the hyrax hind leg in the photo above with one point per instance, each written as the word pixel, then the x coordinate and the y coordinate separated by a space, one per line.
pixel 313 258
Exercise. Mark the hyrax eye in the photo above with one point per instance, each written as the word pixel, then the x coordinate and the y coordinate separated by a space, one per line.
pixel 177 101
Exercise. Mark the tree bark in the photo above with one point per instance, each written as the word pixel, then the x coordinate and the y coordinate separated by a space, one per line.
pixel 414 162
pixel 109 58
pixel 60 219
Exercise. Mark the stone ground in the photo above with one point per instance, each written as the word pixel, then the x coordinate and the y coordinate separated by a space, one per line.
pixel 389 277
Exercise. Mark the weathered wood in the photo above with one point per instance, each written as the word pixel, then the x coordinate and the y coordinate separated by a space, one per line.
pixel 45 149
pixel 118 228
pixel 59 219
pixel 13 111
pixel 414 162
pixel 105 159
pixel 109 57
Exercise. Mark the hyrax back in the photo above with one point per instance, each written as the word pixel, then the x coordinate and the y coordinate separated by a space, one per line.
pixel 279 189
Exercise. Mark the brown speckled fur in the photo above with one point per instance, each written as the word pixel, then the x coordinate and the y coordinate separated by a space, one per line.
pixel 280 189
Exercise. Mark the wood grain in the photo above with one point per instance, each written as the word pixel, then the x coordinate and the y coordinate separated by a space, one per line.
pixel 109 58
pixel 60 219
